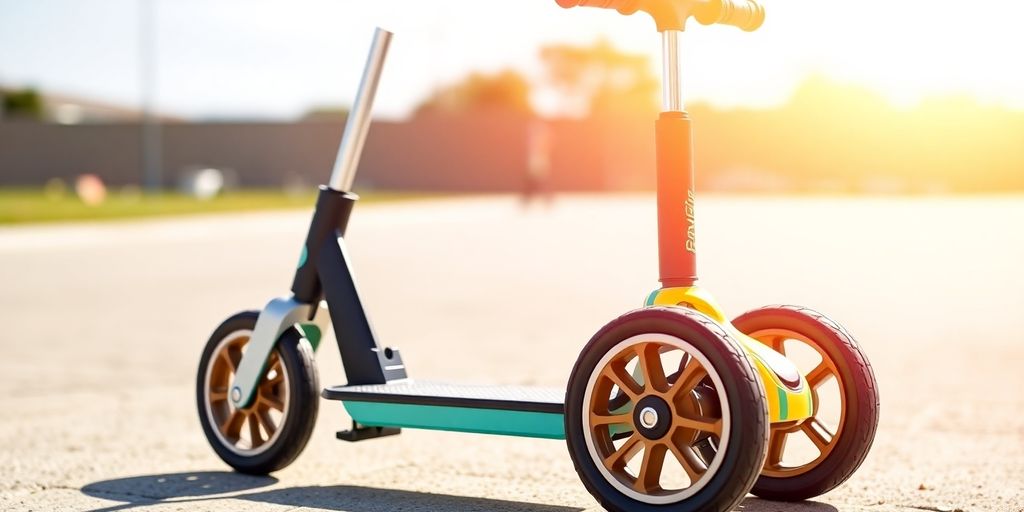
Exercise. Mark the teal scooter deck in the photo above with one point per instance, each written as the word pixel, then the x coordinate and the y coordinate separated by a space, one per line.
pixel 503 410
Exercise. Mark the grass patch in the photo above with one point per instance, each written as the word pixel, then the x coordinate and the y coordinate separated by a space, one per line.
pixel 22 206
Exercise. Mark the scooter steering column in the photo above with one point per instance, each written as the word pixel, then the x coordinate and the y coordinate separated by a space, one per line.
pixel 677 250
pixel 358 124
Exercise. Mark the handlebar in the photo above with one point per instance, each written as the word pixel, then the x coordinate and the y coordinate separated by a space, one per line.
pixel 745 14
pixel 672 14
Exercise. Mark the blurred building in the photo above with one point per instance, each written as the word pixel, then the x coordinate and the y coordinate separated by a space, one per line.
pixel 69 109
pixel 487 153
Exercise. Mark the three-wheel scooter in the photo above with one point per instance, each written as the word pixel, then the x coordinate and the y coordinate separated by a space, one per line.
pixel 669 407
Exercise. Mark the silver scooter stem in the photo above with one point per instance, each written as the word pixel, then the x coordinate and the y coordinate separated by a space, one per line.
pixel 347 162
pixel 671 82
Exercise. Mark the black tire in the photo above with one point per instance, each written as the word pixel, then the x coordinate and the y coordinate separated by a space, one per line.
pixel 858 386
pixel 744 452
pixel 302 394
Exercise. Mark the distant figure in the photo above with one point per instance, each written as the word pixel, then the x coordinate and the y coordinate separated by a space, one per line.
pixel 538 164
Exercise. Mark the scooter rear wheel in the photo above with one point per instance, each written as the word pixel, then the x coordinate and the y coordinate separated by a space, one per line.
pixel 690 434
pixel 270 433
pixel 840 442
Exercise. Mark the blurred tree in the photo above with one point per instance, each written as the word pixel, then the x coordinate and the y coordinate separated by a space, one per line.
pixel 602 80
pixel 839 137
pixel 22 104
pixel 325 113
pixel 506 90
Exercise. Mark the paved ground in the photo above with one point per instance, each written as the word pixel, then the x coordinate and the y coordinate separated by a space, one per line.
pixel 103 325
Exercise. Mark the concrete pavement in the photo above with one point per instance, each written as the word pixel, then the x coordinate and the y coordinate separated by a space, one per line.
pixel 103 326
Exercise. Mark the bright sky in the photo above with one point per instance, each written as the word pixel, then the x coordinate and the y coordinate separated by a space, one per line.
pixel 276 58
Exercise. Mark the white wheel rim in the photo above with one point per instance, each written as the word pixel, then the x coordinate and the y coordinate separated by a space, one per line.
pixel 723 446
pixel 208 406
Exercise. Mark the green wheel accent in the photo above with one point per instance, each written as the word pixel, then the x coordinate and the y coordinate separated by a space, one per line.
pixel 783 404
pixel 312 333
pixel 302 257
pixel 458 419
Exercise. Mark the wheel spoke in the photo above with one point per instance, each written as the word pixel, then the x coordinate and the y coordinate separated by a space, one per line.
pixel 218 394
pixel 818 433
pixel 616 372
pixel 234 354
pixel 226 359
pixel 709 425
pixel 818 375
pixel 776 447
pixel 254 431
pixel 272 402
pixel 233 426
pixel 689 377
pixel 649 479
pixel 649 356
pixel 621 456
pixel 266 421
pixel 597 420
pixel 689 460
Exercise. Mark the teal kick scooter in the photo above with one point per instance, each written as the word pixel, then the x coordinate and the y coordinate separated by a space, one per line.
pixel 670 407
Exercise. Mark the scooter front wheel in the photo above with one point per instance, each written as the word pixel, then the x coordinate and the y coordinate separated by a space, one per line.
pixel 665 412
pixel 271 432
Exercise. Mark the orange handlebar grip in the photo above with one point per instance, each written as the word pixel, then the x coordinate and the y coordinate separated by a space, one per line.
pixel 672 14
pixel 745 14
pixel 604 4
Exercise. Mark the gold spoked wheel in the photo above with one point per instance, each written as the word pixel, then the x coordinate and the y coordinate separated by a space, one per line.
pixel 663 410
pixel 271 432
pixel 822 433
pixel 252 430
pixel 655 418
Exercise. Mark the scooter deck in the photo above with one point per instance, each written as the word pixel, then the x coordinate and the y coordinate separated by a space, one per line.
pixel 503 410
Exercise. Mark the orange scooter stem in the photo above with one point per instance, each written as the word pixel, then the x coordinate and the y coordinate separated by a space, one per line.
pixel 677 244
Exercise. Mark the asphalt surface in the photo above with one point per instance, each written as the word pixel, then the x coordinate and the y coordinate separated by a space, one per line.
pixel 103 326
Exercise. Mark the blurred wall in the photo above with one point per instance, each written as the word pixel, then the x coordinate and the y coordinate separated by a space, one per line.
pixel 938 149
pixel 466 153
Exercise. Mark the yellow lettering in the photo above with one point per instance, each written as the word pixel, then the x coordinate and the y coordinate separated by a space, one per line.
pixel 691 231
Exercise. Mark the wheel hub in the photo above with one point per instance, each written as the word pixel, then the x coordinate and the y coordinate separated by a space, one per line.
pixel 648 417
pixel 652 417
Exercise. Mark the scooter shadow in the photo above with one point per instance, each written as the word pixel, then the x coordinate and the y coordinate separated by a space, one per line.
pixel 210 487
pixel 213 486
pixel 145 490
pixel 759 505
